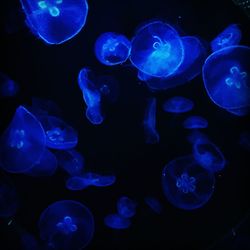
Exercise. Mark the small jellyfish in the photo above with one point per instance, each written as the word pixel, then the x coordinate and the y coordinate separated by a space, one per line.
pixel 196 136
pixel 187 185
pixel 195 122
pixel 66 225
pixel 154 204
pixel 157 49
pixel 226 77
pixel 149 123
pixel 115 221
pixel 228 37
pixel 59 135
pixel 55 21
pixel 23 142
pixel 126 207
pixel 244 140
pixel 8 88
pixel 112 48
pixel 178 104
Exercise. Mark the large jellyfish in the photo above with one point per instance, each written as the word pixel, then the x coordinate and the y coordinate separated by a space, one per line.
pixel 115 221
pixel 126 207
pixel 226 77
pixel 157 49
pixel 8 87
pixel 23 142
pixel 187 185
pixel 195 122
pixel 228 37
pixel 55 21
pixel 66 225
pixel 112 48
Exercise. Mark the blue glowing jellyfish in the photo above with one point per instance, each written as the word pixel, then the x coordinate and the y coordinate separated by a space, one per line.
pixel 8 87
pixel 240 111
pixel 149 123
pixel 195 122
pixel 59 135
pixel 23 142
pixel 187 185
pixel 55 21
pixel 154 204
pixel 178 104
pixel 228 37
pixel 209 156
pixel 157 49
pixel 226 77
pixel 115 221
pixel 126 207
pixel 66 225
pixel 91 96
pixel 112 48
pixel 244 140
pixel 196 136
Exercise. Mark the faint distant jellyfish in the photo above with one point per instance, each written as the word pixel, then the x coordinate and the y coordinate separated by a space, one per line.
pixel 196 137
pixel 126 207
pixel 244 140
pixel 154 204
pixel 157 49
pixel 226 77
pixel 116 221
pixel 187 185
pixel 66 225
pixel 55 21
pixel 112 48
pixel 195 122
pixel 228 37
pixel 149 123
pixel 8 87
pixel 178 104
pixel 23 142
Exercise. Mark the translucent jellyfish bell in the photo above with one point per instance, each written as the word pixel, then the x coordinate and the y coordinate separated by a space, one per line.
pixel 115 221
pixel 157 49
pixel 112 48
pixel 195 122
pixel 187 185
pixel 55 21
pixel 226 77
pixel 66 225
pixel 154 204
pixel 23 142
pixel 8 87
pixel 126 207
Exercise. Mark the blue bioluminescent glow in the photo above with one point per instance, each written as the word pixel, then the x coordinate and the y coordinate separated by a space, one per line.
pixel 244 140
pixel 67 225
pixel 187 185
pixel 55 21
pixel 112 48
pixel 126 207
pixel 195 136
pixel 154 204
pixel 115 221
pixel 195 122
pixel 8 87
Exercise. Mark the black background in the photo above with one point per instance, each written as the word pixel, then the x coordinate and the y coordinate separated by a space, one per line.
pixel 117 145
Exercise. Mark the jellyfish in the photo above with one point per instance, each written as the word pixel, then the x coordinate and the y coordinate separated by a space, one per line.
pixel 244 140
pixel 228 37
pixel 55 21
pixel 23 142
pixel 59 135
pixel 196 137
pixel 195 122
pixel 149 123
pixel 66 224
pixel 186 184
pixel 115 221
pixel 112 48
pixel 91 96
pixel 178 104
pixel 126 207
pixel 157 49
pixel 239 111
pixel 226 77
pixel 8 88
pixel 154 204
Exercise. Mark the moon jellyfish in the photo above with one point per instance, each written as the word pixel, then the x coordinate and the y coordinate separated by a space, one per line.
pixel 55 21
pixel 8 87
pixel 195 122
pixel 154 204
pixel 157 49
pixel 187 185
pixel 196 136
pixel 112 48
pixel 115 221
pixel 126 207
pixel 209 156
pixel 66 225
pixel 226 77
pixel 23 142
pixel 149 123
pixel 228 37
pixel 59 135
pixel 91 96
pixel 178 104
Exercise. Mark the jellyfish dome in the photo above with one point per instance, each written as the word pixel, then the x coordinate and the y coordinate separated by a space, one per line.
pixel 154 204
pixel 66 225
pixel 115 221
pixel 55 21
pixel 112 48
pixel 8 87
pixel 23 142
pixel 126 207
pixel 226 77
pixel 157 49
pixel 186 184
pixel 195 122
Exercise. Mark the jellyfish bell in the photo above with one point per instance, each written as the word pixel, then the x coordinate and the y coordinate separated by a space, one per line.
pixel 195 122
pixel 8 88
pixel 154 204
pixel 126 207
pixel 115 221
